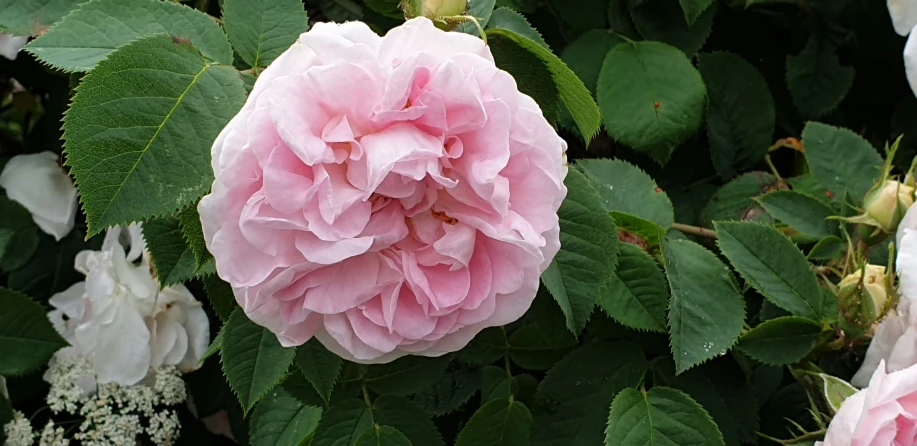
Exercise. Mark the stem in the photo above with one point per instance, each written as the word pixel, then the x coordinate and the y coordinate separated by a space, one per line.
pixel 694 230
pixel 770 164
pixel 702 181
pixel 201 5
pixel 366 398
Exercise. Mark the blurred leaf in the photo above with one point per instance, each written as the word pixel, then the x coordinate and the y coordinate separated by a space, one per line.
pixel 588 252
pixel 262 29
pixel 122 141
pixel 841 160
pixel 408 418
pixel 587 53
pixel 638 295
pixel 664 21
pixel 343 423
pixel 827 248
pixel 319 366
pixel 651 97
pixel 253 359
pixel 94 30
pixel 661 416
pixel 450 393
pixel 773 265
pixel 22 240
pixel 538 347
pixel 707 311
pixel 382 436
pixel 281 420
pixel 51 270
pixel 781 341
pixel 387 8
pixel 694 8
pixel 816 79
pixel 734 200
pixel 407 375
pixel 740 112
pixel 31 17
pixel 500 422
pixel 572 401
pixel 221 296
pixel 27 338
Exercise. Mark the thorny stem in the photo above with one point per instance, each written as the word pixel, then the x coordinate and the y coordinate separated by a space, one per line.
pixel 464 18
pixel 694 230
pixel 366 398
pixel 817 435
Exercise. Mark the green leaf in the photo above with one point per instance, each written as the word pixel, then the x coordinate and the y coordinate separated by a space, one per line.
pixel 407 375
pixel 382 436
pixel 481 10
pixel 588 252
pixel 707 312
pixel 630 226
pixel 538 347
pixel 173 260
pixel 638 295
pixel 497 384
pixel 816 79
pixel 221 297
pixel 585 55
pixel 627 189
pixel 664 21
pixel 572 92
pixel 95 29
pixel 507 19
pixel 826 248
pixel 572 400
pixel 661 416
pixel 532 77
pixel 841 160
pixel 773 265
pixel 193 233
pixel 800 211
pixel 651 97
pixel 450 393
pixel 253 359
pixel 721 390
pixel 22 241
pixel 319 366
pixel 694 8
pixel 807 184
pixel 296 385
pixel 151 102
pixel 781 341
pixel 835 390
pixel 387 8
pixel 262 29
pixel 407 417
pixel 740 111
pixel 51 269
pixel 27 338
pixel 342 424
pixel 282 420
pixel 32 17
pixel 215 346
pixel 500 422
pixel 620 20
pixel 735 200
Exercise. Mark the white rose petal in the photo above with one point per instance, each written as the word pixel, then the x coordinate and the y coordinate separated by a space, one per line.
pixel 10 45
pixel 910 58
pixel 904 15
pixel 38 183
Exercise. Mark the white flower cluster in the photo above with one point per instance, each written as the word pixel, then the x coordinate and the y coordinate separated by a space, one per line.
pixel 112 414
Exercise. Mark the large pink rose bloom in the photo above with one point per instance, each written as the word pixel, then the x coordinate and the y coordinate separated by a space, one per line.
pixel 883 414
pixel 388 195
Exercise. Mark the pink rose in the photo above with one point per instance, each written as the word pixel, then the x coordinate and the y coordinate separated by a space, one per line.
pixel 883 414
pixel 388 195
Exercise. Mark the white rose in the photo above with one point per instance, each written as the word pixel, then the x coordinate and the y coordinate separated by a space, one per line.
pixel 10 45
pixel 38 183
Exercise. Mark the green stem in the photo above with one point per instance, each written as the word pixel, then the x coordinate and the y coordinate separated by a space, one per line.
pixel 694 230
pixel 770 164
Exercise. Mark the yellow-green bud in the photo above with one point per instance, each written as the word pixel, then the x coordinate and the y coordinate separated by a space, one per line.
pixel 870 301
pixel 887 205
pixel 435 10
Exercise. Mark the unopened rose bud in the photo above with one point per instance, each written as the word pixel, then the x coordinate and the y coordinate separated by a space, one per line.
pixel 887 205
pixel 870 300
pixel 435 10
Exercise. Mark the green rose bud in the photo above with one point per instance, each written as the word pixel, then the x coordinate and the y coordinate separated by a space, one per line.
pixel 887 205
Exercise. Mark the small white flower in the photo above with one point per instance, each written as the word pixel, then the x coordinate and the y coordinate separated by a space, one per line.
pixel 18 431
pixel 52 435
pixel 10 45
pixel 121 318
pixel 38 183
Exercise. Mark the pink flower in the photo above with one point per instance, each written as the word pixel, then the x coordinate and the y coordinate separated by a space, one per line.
pixel 883 414
pixel 388 195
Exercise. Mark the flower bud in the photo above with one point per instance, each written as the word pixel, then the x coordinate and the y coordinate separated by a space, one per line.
pixel 834 390
pixel 869 301
pixel 887 205
pixel 434 9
